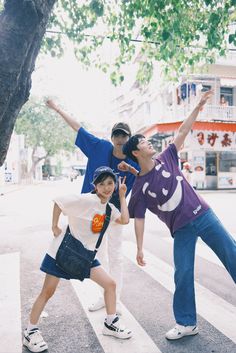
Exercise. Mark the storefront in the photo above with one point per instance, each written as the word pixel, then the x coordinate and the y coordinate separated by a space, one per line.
pixel 210 149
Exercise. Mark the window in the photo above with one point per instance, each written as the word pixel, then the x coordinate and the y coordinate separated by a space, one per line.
pixel 227 92
pixel 211 163
pixel 227 161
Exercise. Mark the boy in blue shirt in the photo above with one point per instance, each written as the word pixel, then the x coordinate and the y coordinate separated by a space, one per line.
pixel 102 152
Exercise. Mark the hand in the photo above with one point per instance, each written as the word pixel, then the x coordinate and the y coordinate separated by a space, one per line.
pixel 56 231
pixel 123 166
pixel 122 187
pixel 140 259
pixel 50 104
pixel 204 98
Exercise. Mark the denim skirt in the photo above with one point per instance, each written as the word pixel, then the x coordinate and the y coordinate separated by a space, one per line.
pixel 49 266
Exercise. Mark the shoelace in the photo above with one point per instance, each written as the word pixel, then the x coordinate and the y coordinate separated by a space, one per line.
pixel 116 325
pixel 35 337
pixel 177 328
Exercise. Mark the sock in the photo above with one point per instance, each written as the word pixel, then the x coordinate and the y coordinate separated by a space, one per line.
pixel 31 327
pixel 110 318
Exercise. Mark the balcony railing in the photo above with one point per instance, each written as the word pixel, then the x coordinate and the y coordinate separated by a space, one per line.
pixel 216 112
pixel 209 113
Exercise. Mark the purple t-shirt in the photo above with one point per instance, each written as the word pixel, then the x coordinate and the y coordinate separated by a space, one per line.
pixel 166 193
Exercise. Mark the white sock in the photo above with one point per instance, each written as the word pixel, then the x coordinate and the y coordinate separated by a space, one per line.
pixel 31 327
pixel 110 318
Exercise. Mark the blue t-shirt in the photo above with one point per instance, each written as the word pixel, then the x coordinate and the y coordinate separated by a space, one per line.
pixel 99 153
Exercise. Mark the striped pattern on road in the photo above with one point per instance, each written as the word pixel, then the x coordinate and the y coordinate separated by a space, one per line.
pixel 211 307
pixel 10 304
pixel 88 292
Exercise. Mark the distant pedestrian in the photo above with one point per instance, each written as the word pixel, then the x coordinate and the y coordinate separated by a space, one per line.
pixel 86 215
pixel 161 188
pixel 188 174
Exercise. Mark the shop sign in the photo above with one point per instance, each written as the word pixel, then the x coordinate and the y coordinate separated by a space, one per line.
pixel 215 140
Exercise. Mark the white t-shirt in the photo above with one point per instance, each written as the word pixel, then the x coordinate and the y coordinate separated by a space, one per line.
pixel 86 216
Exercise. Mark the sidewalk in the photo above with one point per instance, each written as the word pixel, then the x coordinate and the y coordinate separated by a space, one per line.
pixel 7 188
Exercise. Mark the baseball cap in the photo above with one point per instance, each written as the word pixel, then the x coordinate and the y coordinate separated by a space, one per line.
pixel 103 170
pixel 122 127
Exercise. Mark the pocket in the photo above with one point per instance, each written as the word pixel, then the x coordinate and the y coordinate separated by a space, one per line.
pixel 73 258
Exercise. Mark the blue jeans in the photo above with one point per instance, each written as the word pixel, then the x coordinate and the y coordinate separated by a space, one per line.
pixel 212 232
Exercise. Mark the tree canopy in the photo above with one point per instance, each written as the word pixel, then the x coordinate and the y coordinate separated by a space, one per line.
pixel 42 128
pixel 177 33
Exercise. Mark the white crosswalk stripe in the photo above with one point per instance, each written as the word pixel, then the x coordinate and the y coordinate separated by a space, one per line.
pixel 10 310
pixel 211 307
pixel 140 342
pixel 215 310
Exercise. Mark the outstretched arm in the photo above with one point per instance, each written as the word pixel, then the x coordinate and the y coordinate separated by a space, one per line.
pixel 187 124
pixel 68 119
pixel 139 232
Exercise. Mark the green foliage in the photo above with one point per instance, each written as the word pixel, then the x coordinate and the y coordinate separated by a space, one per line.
pixel 43 128
pixel 177 33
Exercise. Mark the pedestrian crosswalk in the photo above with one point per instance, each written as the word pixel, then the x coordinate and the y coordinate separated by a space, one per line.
pixel 215 310
pixel 10 312
pixel 141 342
pixel 210 306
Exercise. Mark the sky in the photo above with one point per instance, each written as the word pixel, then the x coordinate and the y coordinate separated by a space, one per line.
pixel 87 94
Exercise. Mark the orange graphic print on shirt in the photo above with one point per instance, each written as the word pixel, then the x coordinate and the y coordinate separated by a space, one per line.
pixel 97 223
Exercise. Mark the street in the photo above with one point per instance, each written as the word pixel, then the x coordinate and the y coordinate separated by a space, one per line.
pixel 66 324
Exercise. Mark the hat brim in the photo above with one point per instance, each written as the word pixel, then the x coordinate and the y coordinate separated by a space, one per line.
pixel 120 129
pixel 108 173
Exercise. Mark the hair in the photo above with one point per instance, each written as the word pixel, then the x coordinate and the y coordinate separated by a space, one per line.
pixel 103 177
pixel 131 145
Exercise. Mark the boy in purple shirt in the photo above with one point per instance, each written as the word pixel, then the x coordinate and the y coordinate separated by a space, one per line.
pixel 161 187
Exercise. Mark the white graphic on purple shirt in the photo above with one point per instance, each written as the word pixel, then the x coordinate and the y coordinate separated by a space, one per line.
pixel 165 174
pixel 152 194
pixel 165 192
pixel 175 199
pixel 158 166
pixel 145 185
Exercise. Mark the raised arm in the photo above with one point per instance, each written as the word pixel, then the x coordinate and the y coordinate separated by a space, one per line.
pixel 187 124
pixel 139 232
pixel 55 218
pixel 124 213
pixel 68 119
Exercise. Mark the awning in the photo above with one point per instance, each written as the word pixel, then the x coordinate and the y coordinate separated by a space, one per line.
pixel 228 82
pixel 198 125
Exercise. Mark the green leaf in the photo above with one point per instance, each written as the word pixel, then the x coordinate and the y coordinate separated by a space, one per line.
pixel 231 38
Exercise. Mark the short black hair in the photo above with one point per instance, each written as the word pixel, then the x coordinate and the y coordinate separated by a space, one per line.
pixel 131 145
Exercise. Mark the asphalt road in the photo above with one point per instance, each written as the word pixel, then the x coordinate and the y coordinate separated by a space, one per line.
pixel 67 326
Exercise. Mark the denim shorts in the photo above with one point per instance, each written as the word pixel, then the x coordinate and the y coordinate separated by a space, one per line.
pixel 49 266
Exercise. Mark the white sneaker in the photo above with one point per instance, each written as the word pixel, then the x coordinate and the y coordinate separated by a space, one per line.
pixel 34 341
pixel 99 304
pixel 116 330
pixel 180 331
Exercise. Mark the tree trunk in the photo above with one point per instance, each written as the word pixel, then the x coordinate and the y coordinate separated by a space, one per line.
pixel 35 161
pixel 22 27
